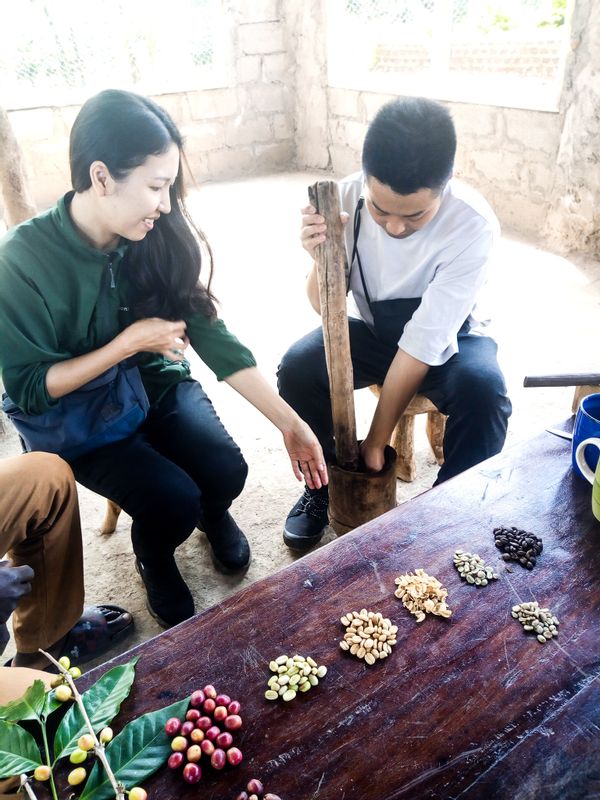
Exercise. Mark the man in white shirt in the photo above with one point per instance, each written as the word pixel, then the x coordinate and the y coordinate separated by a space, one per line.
pixel 420 246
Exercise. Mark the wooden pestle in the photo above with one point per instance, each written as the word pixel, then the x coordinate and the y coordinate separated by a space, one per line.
pixel 331 266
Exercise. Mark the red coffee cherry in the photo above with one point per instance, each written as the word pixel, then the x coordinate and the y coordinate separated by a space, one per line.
pixel 234 756
pixel 224 740
pixel 192 773
pixel 172 726
pixel 175 760
pixel 207 747
pixel 197 698
pixel 218 759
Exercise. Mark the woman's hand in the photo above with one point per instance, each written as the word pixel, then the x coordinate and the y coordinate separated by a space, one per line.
pixel 313 228
pixel 145 336
pixel 306 455
pixel 155 335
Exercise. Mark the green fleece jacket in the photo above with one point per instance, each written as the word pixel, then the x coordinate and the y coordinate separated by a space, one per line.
pixel 61 298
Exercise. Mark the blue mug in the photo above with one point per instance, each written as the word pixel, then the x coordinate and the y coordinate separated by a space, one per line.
pixel 587 426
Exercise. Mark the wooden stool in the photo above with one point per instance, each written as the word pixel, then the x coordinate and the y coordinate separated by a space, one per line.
pixel 404 434
pixel 580 393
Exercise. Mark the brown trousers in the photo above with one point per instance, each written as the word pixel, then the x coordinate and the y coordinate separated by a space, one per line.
pixel 40 526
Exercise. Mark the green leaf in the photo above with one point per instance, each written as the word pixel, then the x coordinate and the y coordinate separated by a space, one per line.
pixel 51 704
pixel 136 753
pixel 18 750
pixel 102 702
pixel 27 707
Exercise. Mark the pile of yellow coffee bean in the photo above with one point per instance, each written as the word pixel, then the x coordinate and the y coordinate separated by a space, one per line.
pixel 534 619
pixel 422 594
pixel 293 674
pixel 473 569
pixel 368 635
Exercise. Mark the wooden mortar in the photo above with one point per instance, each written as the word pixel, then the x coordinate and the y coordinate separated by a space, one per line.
pixel 355 496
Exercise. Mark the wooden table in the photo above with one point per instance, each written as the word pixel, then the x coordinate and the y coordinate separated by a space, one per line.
pixel 470 707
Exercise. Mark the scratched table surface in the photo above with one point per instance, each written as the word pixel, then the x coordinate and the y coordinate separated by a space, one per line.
pixel 470 707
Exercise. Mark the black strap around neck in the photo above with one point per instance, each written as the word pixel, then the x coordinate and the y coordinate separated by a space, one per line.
pixel 355 253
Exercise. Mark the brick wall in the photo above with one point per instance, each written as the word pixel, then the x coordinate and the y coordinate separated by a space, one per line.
pixel 240 129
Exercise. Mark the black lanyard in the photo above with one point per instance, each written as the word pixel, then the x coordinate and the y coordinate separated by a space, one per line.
pixel 355 253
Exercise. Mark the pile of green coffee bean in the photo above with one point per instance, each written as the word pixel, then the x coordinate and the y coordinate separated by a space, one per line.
pixel 534 619
pixel 473 569
pixel 293 674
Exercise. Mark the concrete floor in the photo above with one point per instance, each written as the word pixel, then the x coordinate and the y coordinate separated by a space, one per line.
pixel 546 321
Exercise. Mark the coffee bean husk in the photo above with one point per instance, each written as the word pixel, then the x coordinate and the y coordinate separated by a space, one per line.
pixel 518 545
pixel 422 594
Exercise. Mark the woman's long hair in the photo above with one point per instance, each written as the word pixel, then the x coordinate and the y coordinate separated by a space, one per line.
pixel 123 129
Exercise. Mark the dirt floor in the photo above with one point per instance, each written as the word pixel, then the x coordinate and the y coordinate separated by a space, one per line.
pixel 546 308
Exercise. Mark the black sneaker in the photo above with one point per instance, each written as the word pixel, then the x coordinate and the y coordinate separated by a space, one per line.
pixel 230 549
pixel 169 600
pixel 307 520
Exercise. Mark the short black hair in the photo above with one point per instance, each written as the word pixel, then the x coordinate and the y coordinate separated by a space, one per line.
pixel 410 145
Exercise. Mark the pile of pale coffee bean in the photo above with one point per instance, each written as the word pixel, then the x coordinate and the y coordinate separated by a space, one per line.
pixel 518 545
pixel 473 569
pixel 534 619
pixel 368 635
pixel 293 674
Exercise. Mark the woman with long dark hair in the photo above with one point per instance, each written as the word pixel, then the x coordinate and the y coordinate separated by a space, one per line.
pixel 109 277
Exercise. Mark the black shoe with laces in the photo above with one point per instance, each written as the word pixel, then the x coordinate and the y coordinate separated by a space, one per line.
pixel 169 600
pixel 307 520
pixel 230 549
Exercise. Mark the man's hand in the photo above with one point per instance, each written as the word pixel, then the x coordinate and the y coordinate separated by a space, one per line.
pixel 404 376
pixel 313 228
pixel 372 456
pixel 15 582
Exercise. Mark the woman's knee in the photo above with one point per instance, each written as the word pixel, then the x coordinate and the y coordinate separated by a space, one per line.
pixel 168 505
pixel 228 470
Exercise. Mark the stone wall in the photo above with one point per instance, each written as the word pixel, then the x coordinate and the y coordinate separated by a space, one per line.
pixel 241 129
pixel 540 170
pixel 509 154
pixel 574 219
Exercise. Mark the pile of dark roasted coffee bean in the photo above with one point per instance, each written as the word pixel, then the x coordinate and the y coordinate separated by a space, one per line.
pixel 518 545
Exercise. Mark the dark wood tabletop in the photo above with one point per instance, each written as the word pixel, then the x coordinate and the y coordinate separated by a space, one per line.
pixel 468 707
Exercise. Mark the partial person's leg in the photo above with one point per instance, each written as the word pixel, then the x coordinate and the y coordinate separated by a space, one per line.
pixel 40 527
pixel 185 428
pixel 164 504
pixel 304 383
pixel 471 391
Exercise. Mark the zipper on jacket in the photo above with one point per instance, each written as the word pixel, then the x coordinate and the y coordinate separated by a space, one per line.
pixel 113 285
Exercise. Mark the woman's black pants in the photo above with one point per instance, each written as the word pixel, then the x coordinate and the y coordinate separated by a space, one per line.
pixel 180 469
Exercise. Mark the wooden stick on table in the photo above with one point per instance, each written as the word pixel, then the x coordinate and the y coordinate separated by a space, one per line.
pixel 572 379
pixel 331 266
